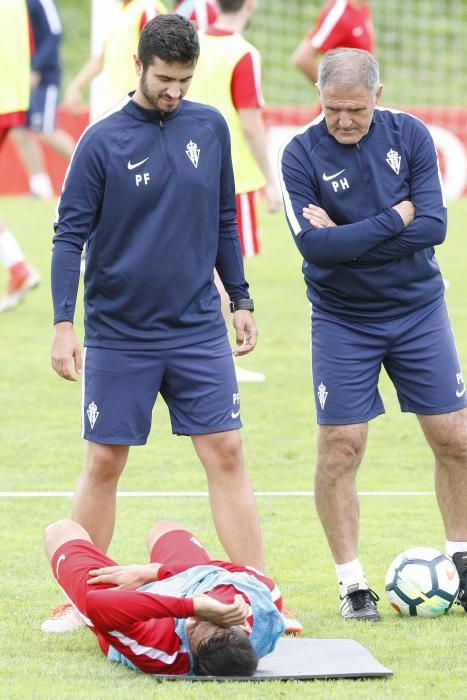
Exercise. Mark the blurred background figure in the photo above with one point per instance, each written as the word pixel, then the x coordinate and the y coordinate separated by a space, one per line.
pixel 115 62
pixel 14 102
pixel 202 12
pixel 341 23
pixel 45 77
pixel 228 77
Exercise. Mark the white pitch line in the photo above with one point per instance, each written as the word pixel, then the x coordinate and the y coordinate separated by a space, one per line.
pixel 197 494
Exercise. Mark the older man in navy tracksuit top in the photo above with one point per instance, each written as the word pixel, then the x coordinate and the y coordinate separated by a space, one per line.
pixel 150 191
pixel 365 205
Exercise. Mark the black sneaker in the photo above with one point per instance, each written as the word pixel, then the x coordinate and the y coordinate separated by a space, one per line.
pixel 360 605
pixel 460 562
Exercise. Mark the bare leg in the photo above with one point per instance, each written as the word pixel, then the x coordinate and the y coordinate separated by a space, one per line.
pixel 29 150
pixel 59 141
pixel 94 500
pixel 340 451
pixel 233 503
pixel 60 532
pixel 447 437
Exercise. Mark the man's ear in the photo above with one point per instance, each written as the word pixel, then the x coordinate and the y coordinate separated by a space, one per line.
pixel 138 65
pixel 378 94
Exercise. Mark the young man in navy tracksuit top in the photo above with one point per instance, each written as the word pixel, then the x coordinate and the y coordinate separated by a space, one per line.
pixel 365 205
pixel 150 192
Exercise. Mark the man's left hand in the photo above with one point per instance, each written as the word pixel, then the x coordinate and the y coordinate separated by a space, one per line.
pixel 246 331
pixel 317 216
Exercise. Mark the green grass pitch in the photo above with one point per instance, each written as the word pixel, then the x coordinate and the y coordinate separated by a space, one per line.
pixel 41 451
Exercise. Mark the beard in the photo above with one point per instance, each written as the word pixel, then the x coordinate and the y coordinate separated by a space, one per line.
pixel 155 100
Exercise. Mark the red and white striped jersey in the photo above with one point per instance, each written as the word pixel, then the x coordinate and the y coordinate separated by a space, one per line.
pixel 203 12
pixel 341 23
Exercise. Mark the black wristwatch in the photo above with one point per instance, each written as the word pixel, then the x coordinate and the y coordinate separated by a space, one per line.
pixel 242 305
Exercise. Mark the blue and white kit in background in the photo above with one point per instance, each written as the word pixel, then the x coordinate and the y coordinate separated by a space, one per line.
pixel 152 196
pixel 368 269
pixel 47 32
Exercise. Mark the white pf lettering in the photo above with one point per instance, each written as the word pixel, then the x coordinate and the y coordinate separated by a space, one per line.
pixel 236 398
pixel 142 178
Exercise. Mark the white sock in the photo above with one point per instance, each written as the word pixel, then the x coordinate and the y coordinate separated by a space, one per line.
pixel 40 185
pixel 452 547
pixel 10 251
pixel 350 576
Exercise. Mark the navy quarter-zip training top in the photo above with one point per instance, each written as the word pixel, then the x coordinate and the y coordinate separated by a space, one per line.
pixel 153 198
pixel 368 266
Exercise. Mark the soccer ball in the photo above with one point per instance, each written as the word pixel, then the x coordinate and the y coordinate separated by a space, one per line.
pixel 422 581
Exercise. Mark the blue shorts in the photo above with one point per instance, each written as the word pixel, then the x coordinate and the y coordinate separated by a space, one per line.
pixel 120 388
pixel 42 115
pixel 417 350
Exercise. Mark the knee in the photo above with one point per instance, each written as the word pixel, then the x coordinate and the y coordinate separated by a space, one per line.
pixel 104 465
pixel 340 455
pixel 452 451
pixel 58 526
pixel 231 452
pixel 55 534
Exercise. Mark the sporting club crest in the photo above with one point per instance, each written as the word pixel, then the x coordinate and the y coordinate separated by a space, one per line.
pixel 394 160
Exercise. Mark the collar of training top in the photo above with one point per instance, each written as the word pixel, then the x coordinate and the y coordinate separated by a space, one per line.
pixel 149 115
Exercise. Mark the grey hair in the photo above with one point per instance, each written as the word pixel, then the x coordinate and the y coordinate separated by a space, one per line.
pixel 347 68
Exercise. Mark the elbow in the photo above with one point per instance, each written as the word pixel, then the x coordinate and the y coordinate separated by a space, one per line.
pixel 296 61
pixel 437 227
pixel 299 56
pixel 316 251
pixel 318 258
pixel 302 65
pixel 440 235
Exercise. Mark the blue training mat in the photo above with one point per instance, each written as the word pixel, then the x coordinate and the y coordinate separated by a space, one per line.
pixel 308 659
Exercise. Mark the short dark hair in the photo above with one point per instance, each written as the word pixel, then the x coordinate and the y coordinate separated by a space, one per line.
pixel 228 652
pixel 172 38
pixel 229 6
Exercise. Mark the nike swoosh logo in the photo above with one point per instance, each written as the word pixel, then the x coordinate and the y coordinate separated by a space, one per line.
pixel 460 393
pixel 235 415
pixel 331 177
pixel 61 558
pixel 132 166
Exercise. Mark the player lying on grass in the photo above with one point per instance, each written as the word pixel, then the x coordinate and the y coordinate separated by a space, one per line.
pixel 183 613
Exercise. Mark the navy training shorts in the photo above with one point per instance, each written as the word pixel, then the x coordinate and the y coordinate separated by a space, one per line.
pixel 120 387
pixel 418 352
pixel 42 115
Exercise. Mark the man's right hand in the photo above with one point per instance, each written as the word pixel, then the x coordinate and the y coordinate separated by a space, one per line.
pixel 73 101
pixel 66 351
pixel 406 211
pixel 212 610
